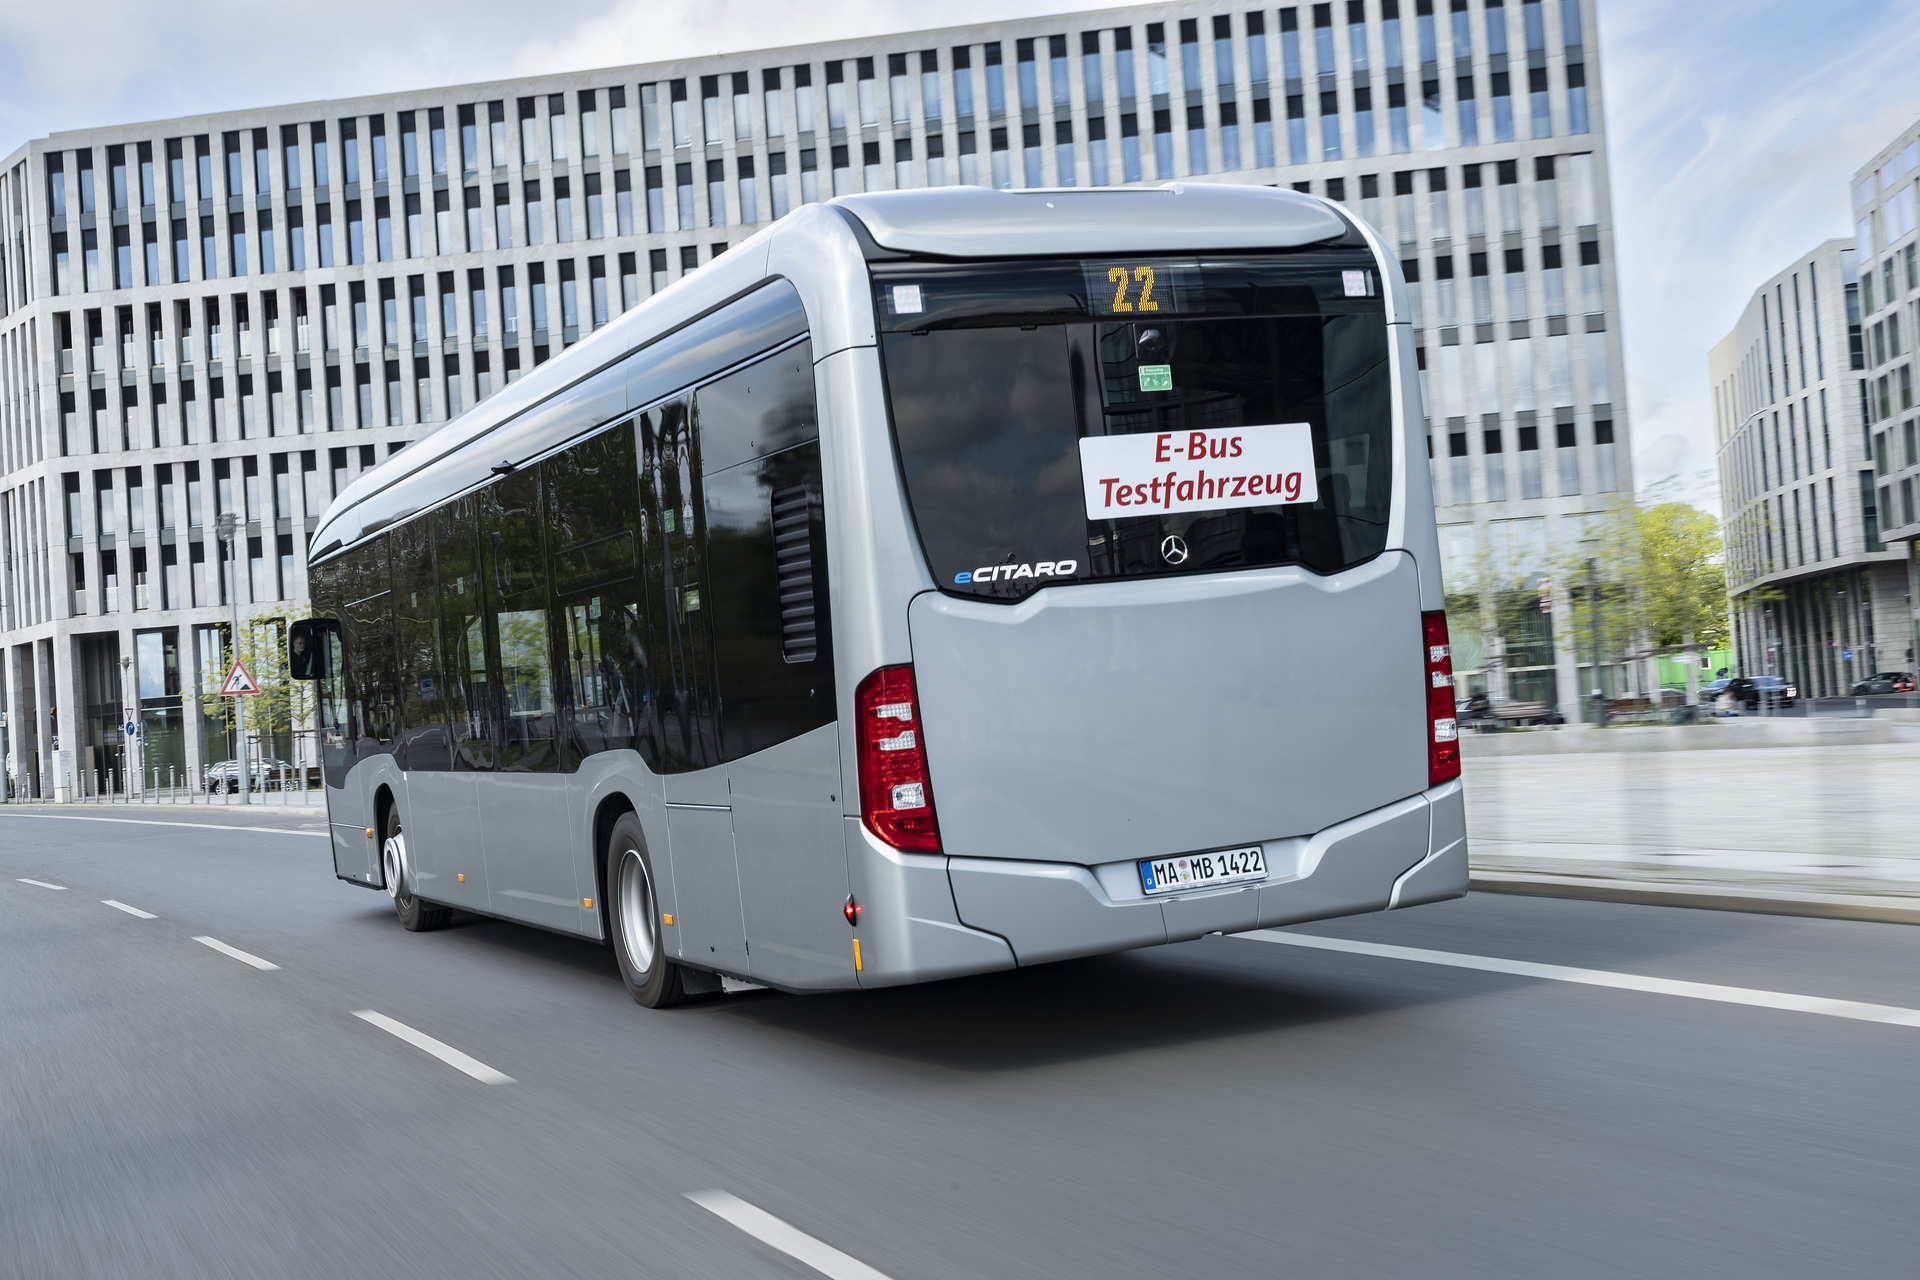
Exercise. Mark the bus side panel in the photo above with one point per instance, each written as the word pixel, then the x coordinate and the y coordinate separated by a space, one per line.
pixel 793 861
pixel 441 811
pixel 530 837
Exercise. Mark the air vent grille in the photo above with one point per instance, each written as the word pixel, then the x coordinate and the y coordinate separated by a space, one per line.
pixel 793 562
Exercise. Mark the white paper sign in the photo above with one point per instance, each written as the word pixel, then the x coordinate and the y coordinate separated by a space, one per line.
pixel 1211 470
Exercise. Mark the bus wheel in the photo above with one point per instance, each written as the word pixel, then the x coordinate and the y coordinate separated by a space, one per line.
pixel 634 913
pixel 416 914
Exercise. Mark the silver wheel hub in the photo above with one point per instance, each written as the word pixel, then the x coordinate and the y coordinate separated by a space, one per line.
pixel 636 910
pixel 393 861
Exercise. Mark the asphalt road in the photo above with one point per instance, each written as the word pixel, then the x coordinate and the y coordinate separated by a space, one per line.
pixel 1226 1108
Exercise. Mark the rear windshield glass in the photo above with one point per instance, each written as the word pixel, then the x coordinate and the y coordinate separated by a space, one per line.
pixel 1074 420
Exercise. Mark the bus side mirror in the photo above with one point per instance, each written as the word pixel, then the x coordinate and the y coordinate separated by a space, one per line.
pixel 307 648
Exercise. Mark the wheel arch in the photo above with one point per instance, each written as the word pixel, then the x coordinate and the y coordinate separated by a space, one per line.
pixel 383 804
pixel 605 814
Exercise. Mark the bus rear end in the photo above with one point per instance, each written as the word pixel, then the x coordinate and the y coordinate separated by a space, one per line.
pixel 1182 672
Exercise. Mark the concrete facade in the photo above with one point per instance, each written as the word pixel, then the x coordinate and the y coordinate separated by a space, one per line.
pixel 241 312
pixel 1885 191
pixel 1816 595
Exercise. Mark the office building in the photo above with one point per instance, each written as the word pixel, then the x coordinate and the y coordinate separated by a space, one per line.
pixel 238 313
pixel 1884 194
pixel 1817 596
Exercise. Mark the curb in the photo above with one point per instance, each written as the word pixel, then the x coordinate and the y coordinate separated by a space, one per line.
pixel 1832 906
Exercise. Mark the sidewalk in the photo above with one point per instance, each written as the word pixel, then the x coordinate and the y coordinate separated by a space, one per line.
pixel 199 810
pixel 1826 830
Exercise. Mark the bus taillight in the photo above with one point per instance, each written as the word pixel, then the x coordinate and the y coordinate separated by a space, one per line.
pixel 1443 730
pixel 896 801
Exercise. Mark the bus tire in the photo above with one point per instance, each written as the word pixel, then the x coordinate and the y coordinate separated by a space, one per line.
pixel 417 915
pixel 633 917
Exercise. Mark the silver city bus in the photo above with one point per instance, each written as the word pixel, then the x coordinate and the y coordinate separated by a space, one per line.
pixel 939 582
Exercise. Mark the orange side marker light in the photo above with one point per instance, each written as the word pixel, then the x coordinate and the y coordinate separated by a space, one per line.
pixel 858 966
pixel 667 918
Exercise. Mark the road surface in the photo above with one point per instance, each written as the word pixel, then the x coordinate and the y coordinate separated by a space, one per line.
pixel 1500 1086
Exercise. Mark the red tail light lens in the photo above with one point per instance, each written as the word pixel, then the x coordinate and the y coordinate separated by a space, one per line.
pixel 1443 730
pixel 896 801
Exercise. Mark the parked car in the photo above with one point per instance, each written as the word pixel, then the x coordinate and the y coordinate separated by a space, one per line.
pixel 1752 691
pixel 1884 682
pixel 1711 690
pixel 267 774
pixel 1493 711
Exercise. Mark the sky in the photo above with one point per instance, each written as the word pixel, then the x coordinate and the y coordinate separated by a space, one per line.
pixel 1734 128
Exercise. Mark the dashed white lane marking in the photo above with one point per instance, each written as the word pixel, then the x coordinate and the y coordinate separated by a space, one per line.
pixel 790 1240
pixel 1853 1009
pixel 132 911
pixel 42 883
pixel 155 822
pixel 445 1052
pixel 236 953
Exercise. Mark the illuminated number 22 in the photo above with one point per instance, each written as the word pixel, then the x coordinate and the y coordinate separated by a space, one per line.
pixel 1143 274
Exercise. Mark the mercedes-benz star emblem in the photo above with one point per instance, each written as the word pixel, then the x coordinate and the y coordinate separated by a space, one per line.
pixel 1173 550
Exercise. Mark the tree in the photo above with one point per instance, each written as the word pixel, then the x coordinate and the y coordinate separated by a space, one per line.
pixel 1648 576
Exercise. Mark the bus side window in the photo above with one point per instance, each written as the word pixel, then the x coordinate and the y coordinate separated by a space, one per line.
pixel 513 567
pixel 330 688
pixel 679 621
pixel 367 619
pixel 423 727
pixel 593 504
pixel 766 552
pixel 467 700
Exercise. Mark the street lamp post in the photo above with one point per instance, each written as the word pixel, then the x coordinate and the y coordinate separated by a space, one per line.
pixel 225 527
pixel 127 765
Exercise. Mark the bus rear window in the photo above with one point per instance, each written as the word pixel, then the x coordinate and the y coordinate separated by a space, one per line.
pixel 1244 404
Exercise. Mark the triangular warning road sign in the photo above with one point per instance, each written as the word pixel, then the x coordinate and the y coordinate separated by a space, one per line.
pixel 238 681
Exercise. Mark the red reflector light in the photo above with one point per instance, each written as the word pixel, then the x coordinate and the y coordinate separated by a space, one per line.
pixel 1443 730
pixel 896 801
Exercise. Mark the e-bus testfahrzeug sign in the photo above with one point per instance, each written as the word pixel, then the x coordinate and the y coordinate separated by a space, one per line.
pixel 1209 470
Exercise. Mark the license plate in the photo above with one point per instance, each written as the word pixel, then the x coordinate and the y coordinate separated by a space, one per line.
pixel 1202 870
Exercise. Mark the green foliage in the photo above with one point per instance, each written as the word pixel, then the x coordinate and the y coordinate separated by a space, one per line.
pixel 283 703
pixel 1649 575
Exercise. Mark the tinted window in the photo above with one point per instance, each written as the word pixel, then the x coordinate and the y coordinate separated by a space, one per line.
pixel 326 582
pixel 761 409
pixel 767 698
pixel 423 727
pixel 514 565
pixel 594 499
pixel 674 540
pixel 366 619
pixel 467 697
pixel 996 371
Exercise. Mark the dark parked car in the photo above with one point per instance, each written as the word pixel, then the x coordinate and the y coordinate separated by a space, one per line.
pixel 1884 682
pixel 1752 691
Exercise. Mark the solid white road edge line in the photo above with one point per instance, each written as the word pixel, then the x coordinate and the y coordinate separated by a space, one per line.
pixel 155 822
pixel 797 1244
pixel 445 1052
pixel 1853 1009
pixel 42 883
pixel 236 953
pixel 132 911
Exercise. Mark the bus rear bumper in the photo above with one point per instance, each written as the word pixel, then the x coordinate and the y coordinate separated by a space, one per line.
pixel 1410 852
